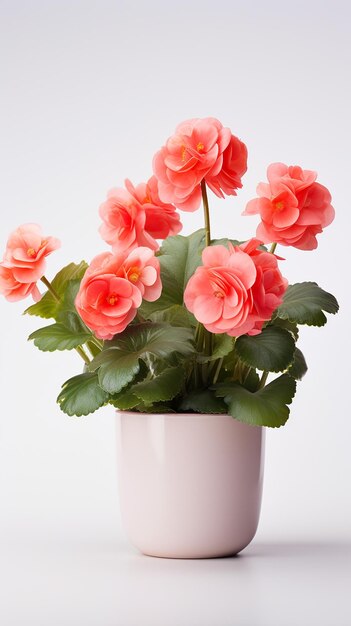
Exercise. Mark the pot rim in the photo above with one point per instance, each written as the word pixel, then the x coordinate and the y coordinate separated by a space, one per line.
pixel 187 416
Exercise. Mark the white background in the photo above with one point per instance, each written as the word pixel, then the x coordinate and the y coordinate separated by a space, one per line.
pixel 90 90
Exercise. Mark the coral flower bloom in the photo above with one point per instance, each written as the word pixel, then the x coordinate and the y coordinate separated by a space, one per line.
pixel 236 289
pixel 162 219
pixel 12 289
pixel 24 262
pixel 293 207
pixel 26 251
pixel 112 289
pixel 124 220
pixel 200 149
pixel 142 268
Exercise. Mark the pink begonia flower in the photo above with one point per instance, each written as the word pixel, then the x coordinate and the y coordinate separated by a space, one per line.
pixel 162 220
pixel 269 287
pixel 142 268
pixel 14 290
pixel 24 262
pixel 293 207
pixel 136 216
pixel 113 287
pixel 200 149
pixel 26 251
pixel 124 222
pixel 233 168
pixel 236 290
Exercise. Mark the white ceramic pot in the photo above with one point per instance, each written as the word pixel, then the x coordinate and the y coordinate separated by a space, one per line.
pixel 190 484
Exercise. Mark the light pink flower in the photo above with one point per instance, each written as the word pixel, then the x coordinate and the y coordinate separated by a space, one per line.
pixel 142 268
pixel 113 287
pixel 24 262
pixel 105 301
pixel 269 287
pixel 162 220
pixel 26 251
pixel 124 220
pixel 293 207
pixel 234 166
pixel 200 149
pixel 235 290
pixel 12 289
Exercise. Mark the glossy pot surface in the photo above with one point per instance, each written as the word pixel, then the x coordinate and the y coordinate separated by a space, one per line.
pixel 190 484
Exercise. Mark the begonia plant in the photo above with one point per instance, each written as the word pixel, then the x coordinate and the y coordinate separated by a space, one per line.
pixel 193 325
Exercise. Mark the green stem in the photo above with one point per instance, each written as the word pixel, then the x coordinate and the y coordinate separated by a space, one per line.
pixel 93 348
pixel 272 248
pixel 218 369
pixel 208 342
pixel 208 349
pixel 150 365
pixel 263 379
pixel 206 213
pixel 97 342
pixel 50 288
pixel 81 353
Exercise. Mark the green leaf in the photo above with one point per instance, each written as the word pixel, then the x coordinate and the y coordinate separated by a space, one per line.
pixel 224 242
pixel 66 310
pixel 118 362
pixel 163 387
pixel 304 303
pixel 203 401
pixel 126 399
pixel 58 337
pixel 179 257
pixel 272 350
pixel 48 305
pixel 287 325
pixel 298 367
pixel 117 369
pixel 266 407
pixel 158 407
pixel 251 381
pixel 82 395
pixel 222 346
pixel 175 315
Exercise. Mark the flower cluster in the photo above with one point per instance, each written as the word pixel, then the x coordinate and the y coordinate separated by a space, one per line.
pixel 236 289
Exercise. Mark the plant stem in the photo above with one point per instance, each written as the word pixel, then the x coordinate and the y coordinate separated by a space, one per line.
pixel 97 342
pixel 272 248
pixel 81 353
pixel 208 342
pixel 93 348
pixel 263 379
pixel 218 369
pixel 206 213
pixel 150 365
pixel 50 288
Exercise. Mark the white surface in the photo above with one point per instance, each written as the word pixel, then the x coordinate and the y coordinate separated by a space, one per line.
pixel 90 91
pixel 75 578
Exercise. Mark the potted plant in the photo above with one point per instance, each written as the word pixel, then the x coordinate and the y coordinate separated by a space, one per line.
pixel 194 342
